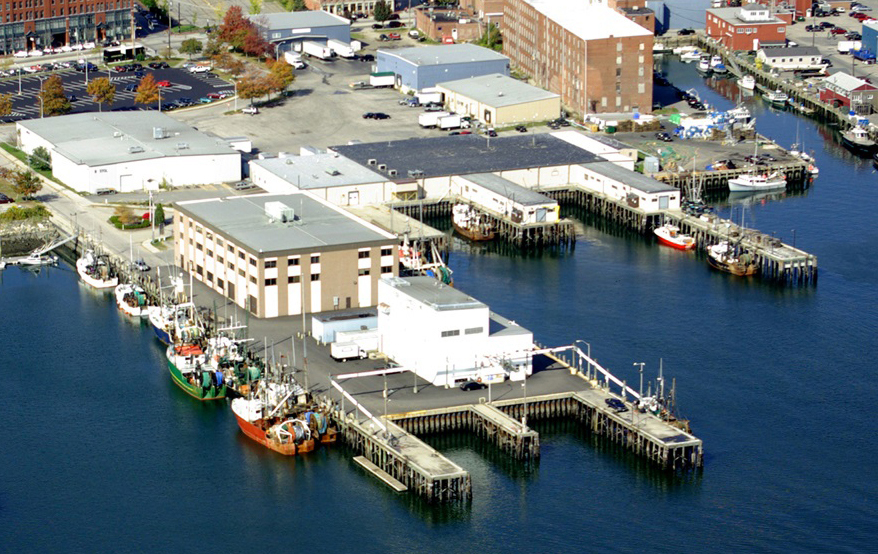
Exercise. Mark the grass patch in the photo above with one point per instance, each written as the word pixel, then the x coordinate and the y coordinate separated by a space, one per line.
pixel 185 28
pixel 666 111
pixel 114 220
pixel 22 213
pixel 47 173
pixel 160 244
pixel 358 36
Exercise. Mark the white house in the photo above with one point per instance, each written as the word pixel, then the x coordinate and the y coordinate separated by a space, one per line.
pixel 129 151
pixel 446 336
pixel 792 58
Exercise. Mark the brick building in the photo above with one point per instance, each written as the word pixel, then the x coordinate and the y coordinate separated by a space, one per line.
pixel 846 90
pixel 340 7
pixel 745 28
pixel 439 24
pixel 593 56
pixel 41 24
pixel 637 11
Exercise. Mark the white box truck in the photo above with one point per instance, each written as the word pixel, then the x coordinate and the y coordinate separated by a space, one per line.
pixel 294 59
pixel 344 351
pixel 431 119
pixel 382 79
pixel 429 96
pixel 453 121
pixel 317 50
pixel 845 46
pixel 340 48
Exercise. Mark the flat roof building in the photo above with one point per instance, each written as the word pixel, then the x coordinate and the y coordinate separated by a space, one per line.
pixel 277 254
pixel 129 151
pixel 597 59
pixel 500 100
pixel 422 67
pixel 745 28
pixel 284 29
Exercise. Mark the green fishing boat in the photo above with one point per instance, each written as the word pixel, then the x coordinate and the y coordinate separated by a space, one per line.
pixel 191 372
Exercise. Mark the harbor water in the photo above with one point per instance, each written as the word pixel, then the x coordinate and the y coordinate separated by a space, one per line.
pixel 100 451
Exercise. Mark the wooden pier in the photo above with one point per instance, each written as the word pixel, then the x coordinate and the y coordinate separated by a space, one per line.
pixel 796 173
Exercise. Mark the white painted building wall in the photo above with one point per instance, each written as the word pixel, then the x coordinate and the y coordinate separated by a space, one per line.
pixel 617 190
pixel 504 204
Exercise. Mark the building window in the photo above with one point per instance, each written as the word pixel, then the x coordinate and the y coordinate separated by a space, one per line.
pixel 315 259
pixel 209 277
pixel 453 333
pixel 315 277
pixel 199 247
pixel 199 270
pixel 474 330
pixel 253 262
pixel 293 261
pixel 241 273
pixel 618 47
pixel 270 282
pixel 219 261
pixel 253 279
pixel 641 88
pixel 210 253
pixel 363 254
pixel 220 284
pixel 270 264
pixel 388 251
pixel 219 242
pixel 362 272
pixel 386 269
pixel 780 29
pixel 293 279
pixel 241 255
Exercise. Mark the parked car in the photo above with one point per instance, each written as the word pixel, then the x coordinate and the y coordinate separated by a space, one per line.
pixel 380 115
pixel 377 25
pixel 369 115
pixel 164 83
pixel 664 137
pixel 491 133
pixel 838 31
pixel 521 128
pixel 5 199
pixel 617 405
pixel 214 95
pixel 472 385
pixel 225 93
pixel 200 69
pixel 205 100
pixel 131 87
pixel 155 65
pixel 393 17
pixel 394 24
pixel 853 35
pixel 367 58
pixel 394 36
pixel 812 28
pixel 827 25
pixel 684 32
pixel 252 110
pixel 184 101
pixel 141 265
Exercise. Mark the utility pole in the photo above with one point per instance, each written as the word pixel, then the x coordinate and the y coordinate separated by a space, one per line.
pixel 641 364
pixel 170 7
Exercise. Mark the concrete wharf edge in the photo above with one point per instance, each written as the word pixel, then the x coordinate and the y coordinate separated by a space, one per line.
pixel 380 474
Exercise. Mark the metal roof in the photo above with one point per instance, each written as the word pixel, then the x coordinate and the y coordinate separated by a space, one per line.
pixel 318 225
pixel 791 51
pixel 319 171
pixel 846 82
pixel 497 90
pixel 588 21
pixel 297 20
pixel 500 326
pixel 444 54
pixel 731 16
pixel 464 154
pixel 96 139
pixel 508 189
pixel 631 178
pixel 434 293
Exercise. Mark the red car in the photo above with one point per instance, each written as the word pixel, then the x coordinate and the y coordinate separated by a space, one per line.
pixel 837 31
pixel 214 95
pixel 163 83
pixel 394 36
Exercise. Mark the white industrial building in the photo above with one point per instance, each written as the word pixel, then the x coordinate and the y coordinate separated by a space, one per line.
pixel 637 190
pixel 129 151
pixel 503 197
pixel 447 336
pixel 500 100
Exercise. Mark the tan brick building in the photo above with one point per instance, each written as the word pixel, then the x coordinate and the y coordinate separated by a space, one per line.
pixel 275 254
pixel 597 59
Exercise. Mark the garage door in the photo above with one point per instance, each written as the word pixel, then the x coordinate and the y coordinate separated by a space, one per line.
pixel 126 183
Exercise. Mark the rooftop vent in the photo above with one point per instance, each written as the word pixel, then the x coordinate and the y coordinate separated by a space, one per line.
pixel 288 161
pixel 332 171
pixel 117 134
pixel 382 167
pixel 416 173
pixel 182 146
pixel 278 211
pixel 371 161
pixel 159 133
pixel 135 149
pixel 391 172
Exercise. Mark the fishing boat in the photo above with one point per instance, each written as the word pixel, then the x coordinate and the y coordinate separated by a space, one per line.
pixel 758 181
pixel 715 61
pixel 187 363
pixel 131 299
pixel 703 65
pixel 471 223
pixel 776 97
pixel 719 69
pixel 95 271
pixel 690 56
pixel 670 235
pixel 856 139
pixel 721 256
pixel 747 82
pixel 162 320
pixel 269 419
pixel 740 114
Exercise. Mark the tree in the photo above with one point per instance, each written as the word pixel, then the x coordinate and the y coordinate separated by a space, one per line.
pixel 191 46
pixel 280 75
pixel 5 104
pixel 491 38
pixel 252 85
pixel 229 63
pixel 126 216
pixel 147 90
pixel 54 101
pixel 214 48
pixel 254 44
pixel 40 159
pixel 102 91
pixel 255 7
pixel 295 5
pixel 381 11
pixel 26 183
pixel 234 28
pixel 159 218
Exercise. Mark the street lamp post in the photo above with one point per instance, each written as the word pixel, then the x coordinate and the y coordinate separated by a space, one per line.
pixel 40 97
pixel 641 364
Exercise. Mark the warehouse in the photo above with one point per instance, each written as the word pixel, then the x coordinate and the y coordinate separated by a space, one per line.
pixel 500 100
pixel 618 183
pixel 274 254
pixel 129 151
pixel 284 29
pixel 501 196
pixel 422 67
pixel 446 336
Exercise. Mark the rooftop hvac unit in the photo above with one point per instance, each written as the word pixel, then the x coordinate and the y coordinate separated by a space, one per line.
pixel 279 211
pixel 332 171
pixel 288 161
pixel 391 172
pixel 158 133
pixel 382 167
pixel 415 173
pixel 182 146
pixel 135 149
pixel 371 161
pixel 117 134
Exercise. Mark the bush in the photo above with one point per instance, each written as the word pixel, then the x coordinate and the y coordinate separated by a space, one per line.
pixel 40 159
pixel 20 213
pixel 117 223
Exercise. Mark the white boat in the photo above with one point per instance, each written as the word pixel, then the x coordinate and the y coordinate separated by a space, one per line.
pixel 715 61
pixel 704 64
pixel 747 82
pixel 131 299
pixel 690 56
pixel 856 139
pixel 760 181
pixel 94 271
pixel 670 235
pixel 740 114
pixel 35 258
pixel 720 69
pixel 777 97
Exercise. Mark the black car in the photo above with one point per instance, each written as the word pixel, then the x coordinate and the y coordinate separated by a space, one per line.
pixel 368 115
pixel 664 137
pixel 491 133
pixel 382 36
pixel 472 385
pixel 812 28
pixel 684 32
pixel 131 87
pixel 140 74
pixel 853 35
pixel 380 115
pixel 394 24
pixel 521 128
pixel 827 25
pixel 5 199
pixel 616 405
pixel 377 25
pixel 184 101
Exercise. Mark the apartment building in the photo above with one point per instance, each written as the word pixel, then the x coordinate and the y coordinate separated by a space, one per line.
pixel 596 58
pixel 41 24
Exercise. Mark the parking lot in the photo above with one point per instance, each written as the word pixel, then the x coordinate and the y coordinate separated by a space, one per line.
pixel 183 85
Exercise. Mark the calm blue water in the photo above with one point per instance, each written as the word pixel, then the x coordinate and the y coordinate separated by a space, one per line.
pixel 99 451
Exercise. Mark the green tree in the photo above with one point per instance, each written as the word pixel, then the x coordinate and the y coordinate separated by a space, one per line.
pixel 255 7
pixel 53 99
pixel 147 90
pixel 191 46
pixel 214 48
pixel 40 159
pixel 382 11
pixel 26 183
pixel 492 38
pixel 295 5
pixel 5 104
pixel 159 218
pixel 102 91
